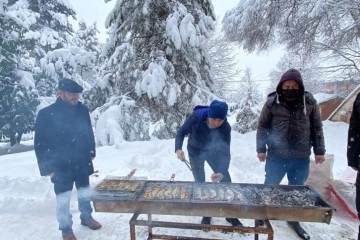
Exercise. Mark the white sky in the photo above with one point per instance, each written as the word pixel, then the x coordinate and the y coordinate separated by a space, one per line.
pixel 261 65
pixel 27 201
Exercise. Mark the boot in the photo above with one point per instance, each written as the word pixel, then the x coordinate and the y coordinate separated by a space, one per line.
pixel 92 224
pixel 299 230
pixel 261 222
pixel 68 235
pixel 234 222
pixel 206 220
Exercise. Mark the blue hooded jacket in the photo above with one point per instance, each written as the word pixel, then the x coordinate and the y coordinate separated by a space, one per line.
pixel 201 138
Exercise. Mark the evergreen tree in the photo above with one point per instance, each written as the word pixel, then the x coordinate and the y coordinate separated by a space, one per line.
pixel 87 38
pixel 248 108
pixel 157 58
pixel 18 100
pixel 49 39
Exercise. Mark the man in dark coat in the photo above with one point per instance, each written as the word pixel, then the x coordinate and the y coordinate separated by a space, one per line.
pixel 65 147
pixel 209 140
pixel 289 126
pixel 353 150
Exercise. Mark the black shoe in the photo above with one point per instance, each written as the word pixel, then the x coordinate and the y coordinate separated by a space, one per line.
pixel 261 222
pixel 234 222
pixel 206 220
pixel 299 230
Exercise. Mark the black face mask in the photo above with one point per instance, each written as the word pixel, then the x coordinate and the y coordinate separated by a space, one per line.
pixel 291 93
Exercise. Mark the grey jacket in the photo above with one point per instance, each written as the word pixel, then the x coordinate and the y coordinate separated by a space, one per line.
pixel 288 133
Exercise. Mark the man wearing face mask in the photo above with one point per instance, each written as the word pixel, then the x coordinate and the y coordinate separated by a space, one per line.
pixel 289 126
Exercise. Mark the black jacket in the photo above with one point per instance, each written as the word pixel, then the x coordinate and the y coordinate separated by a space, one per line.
pixel 203 139
pixel 64 138
pixel 353 150
pixel 289 132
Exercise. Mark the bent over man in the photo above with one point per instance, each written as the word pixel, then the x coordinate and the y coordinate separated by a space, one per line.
pixel 209 140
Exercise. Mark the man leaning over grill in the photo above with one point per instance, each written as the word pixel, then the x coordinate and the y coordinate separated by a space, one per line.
pixel 65 147
pixel 208 140
pixel 289 125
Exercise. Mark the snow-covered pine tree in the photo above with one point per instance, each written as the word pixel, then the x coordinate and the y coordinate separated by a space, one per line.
pixel 156 58
pixel 86 37
pixel 247 108
pixel 52 30
pixel 51 44
pixel 18 99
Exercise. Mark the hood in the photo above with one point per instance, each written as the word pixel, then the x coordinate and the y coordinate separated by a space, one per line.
pixel 291 74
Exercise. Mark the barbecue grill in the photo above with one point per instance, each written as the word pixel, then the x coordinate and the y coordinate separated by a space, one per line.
pixel 251 201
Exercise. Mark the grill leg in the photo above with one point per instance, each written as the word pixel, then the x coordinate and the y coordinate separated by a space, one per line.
pixel 149 225
pixel 267 230
pixel 132 226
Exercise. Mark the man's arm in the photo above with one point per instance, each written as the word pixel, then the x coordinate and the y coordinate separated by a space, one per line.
pixel 91 135
pixel 224 147
pixel 263 129
pixel 42 144
pixel 184 130
pixel 316 132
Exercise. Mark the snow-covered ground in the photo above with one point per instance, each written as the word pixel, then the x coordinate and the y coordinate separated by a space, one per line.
pixel 27 201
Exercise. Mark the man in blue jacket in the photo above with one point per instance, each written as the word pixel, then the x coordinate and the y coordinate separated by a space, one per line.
pixel 209 136
pixel 65 147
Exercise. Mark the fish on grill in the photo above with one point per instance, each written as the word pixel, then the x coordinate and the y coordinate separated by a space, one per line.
pixel 113 184
pixel 166 192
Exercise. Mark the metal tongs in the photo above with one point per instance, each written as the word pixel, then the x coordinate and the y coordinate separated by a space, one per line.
pixel 187 163
pixel 172 179
pixel 127 177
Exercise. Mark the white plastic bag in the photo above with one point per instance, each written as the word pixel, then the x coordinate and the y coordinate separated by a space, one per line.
pixel 321 175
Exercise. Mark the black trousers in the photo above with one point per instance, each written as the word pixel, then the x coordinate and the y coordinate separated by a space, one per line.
pixel 357 198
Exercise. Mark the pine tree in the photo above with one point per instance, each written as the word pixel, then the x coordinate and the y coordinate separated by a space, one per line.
pixel 49 40
pixel 18 99
pixel 157 58
pixel 247 109
pixel 87 38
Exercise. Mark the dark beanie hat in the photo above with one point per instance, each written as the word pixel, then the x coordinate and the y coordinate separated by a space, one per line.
pixel 69 85
pixel 218 109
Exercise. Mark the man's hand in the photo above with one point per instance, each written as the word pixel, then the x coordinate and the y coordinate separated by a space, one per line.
pixel 216 177
pixel 180 154
pixel 319 159
pixel 261 157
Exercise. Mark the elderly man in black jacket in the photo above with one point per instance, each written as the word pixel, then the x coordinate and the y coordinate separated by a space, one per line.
pixel 289 126
pixel 65 147
pixel 353 150
pixel 209 140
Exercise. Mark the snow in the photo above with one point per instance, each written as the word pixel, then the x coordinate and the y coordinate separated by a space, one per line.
pixel 27 201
